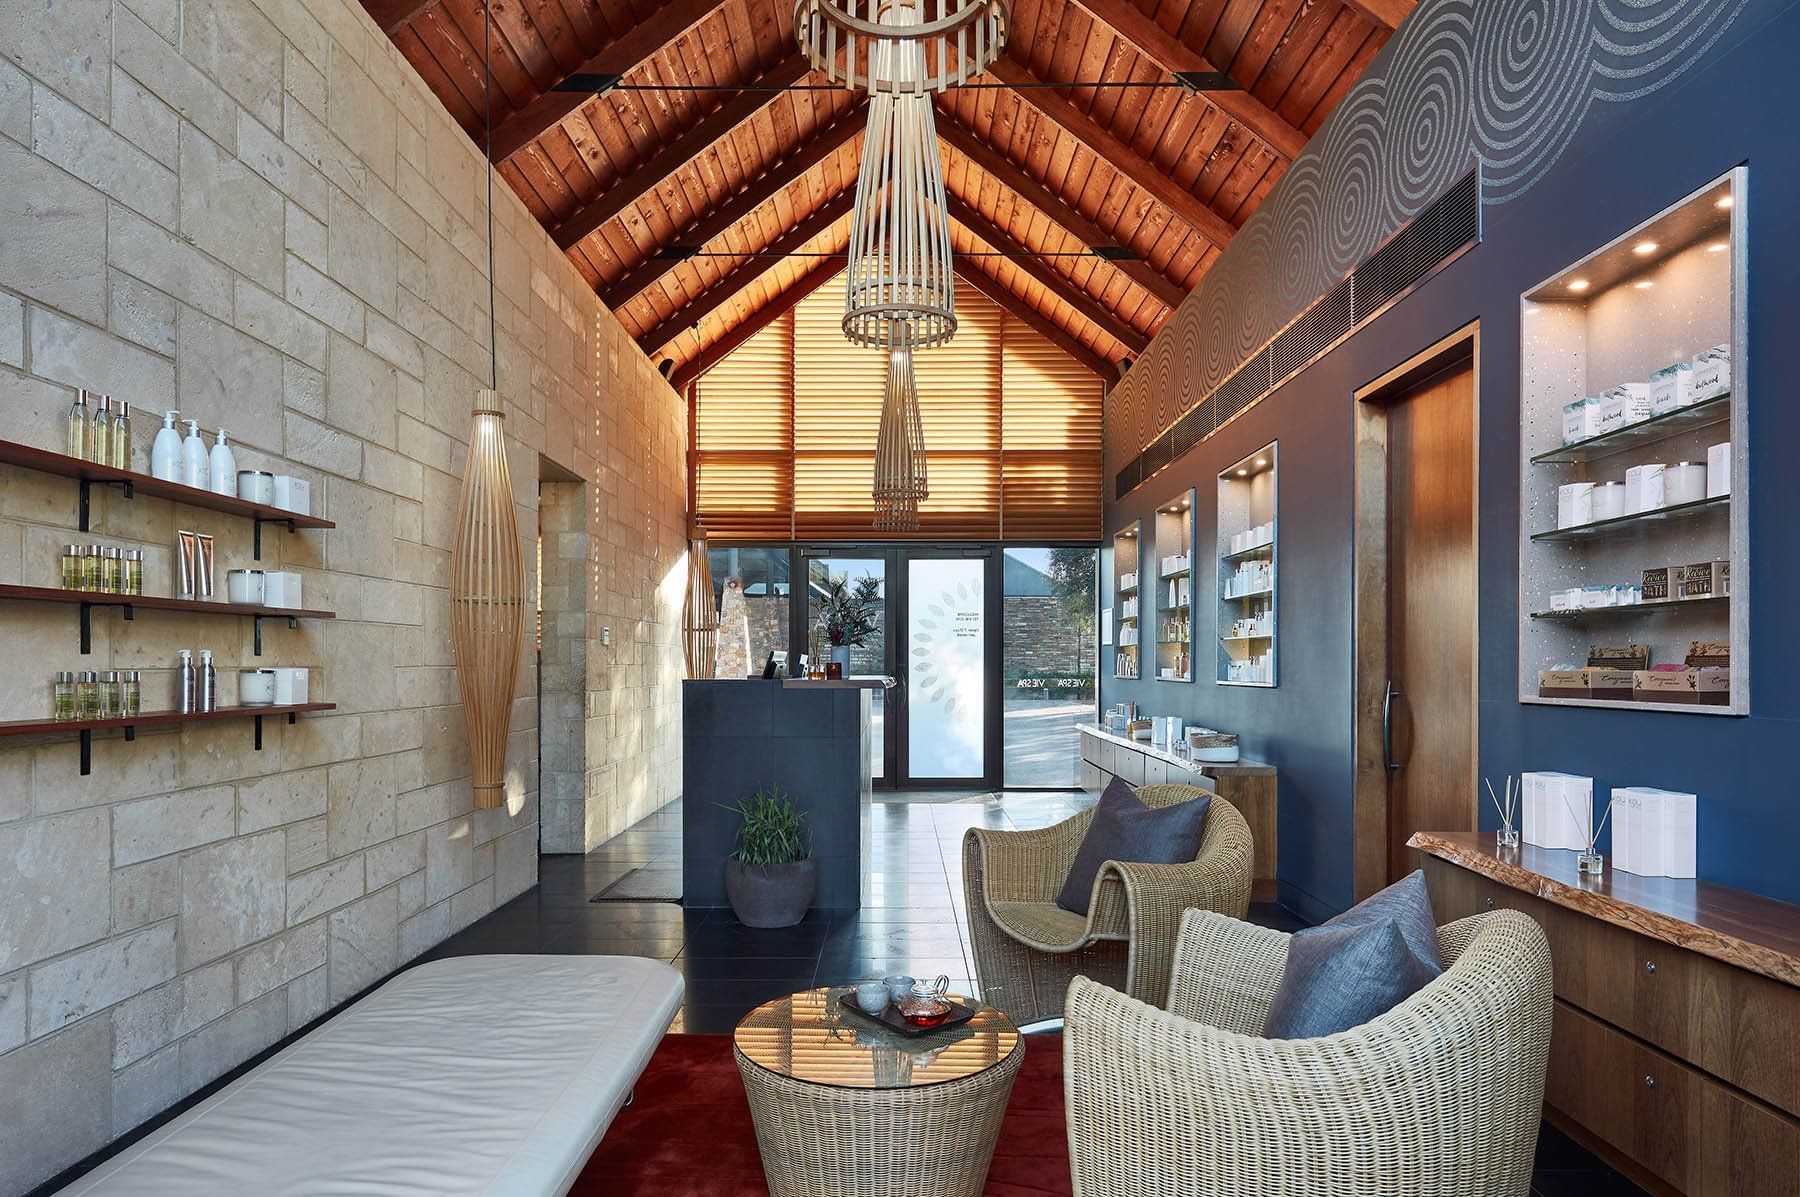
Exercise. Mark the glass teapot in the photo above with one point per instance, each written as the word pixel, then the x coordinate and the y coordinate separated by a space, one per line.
pixel 926 1005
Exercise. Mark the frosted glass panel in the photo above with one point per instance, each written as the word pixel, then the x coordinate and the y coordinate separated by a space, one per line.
pixel 946 668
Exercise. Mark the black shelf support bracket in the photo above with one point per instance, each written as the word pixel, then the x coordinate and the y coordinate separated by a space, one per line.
pixel 258 733
pixel 292 715
pixel 87 751
pixel 87 629
pixel 86 495
pixel 130 732
pixel 256 637
pixel 256 539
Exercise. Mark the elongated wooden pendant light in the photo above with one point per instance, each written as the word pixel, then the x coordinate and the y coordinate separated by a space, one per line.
pixel 487 569
pixel 699 617
pixel 900 484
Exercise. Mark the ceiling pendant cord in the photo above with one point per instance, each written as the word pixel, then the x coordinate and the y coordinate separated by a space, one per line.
pixel 487 120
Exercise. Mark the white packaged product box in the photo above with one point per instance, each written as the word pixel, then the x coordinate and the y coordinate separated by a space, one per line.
pixel 1643 488
pixel 291 687
pixel 1712 373
pixel 1581 419
pixel 1718 470
pixel 1574 504
pixel 1654 831
pixel 1622 405
pixel 1672 387
pixel 1556 810
pixel 293 494
pixel 281 589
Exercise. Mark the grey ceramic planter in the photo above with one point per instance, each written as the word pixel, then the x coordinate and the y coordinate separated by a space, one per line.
pixel 778 896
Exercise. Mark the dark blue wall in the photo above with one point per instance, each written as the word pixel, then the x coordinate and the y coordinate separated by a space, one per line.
pixel 1740 104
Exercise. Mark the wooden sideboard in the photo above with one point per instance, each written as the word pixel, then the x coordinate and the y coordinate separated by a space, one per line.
pixel 1675 1045
pixel 1247 785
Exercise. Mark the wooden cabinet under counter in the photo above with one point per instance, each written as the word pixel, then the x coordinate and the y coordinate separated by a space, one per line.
pixel 1247 785
pixel 1675 1049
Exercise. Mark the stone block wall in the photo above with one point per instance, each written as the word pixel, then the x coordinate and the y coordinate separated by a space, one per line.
pixel 254 211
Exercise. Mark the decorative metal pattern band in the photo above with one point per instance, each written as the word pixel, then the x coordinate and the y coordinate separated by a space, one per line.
pixel 1465 85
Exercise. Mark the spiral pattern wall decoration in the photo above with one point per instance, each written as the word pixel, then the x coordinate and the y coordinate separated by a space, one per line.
pixel 1463 83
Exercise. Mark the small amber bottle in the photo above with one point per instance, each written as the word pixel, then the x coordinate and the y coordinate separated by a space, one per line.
pixel 72 578
pixel 111 573
pixel 64 700
pixel 91 569
pixel 132 576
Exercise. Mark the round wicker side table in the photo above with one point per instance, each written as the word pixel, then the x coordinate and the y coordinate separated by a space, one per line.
pixel 844 1107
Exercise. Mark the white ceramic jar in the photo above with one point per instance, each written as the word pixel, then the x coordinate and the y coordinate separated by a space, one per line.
pixel 245 586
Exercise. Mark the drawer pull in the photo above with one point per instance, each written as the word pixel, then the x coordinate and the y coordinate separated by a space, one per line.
pixel 1649 1082
pixel 1490 903
pixel 1650 966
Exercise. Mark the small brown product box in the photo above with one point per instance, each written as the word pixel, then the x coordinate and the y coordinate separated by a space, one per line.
pixel 1705 682
pixel 1707 579
pixel 1608 673
pixel 1656 588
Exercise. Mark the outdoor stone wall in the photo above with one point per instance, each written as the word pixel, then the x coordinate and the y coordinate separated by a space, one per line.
pixel 254 211
pixel 1040 638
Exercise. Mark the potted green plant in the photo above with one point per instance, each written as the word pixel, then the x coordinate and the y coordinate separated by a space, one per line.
pixel 848 615
pixel 771 877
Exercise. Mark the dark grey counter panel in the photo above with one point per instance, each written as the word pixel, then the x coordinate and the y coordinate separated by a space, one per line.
pixel 813 745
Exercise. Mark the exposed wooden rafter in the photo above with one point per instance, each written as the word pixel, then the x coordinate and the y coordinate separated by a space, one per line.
pixel 622 57
pixel 1050 331
pixel 818 221
pixel 1083 128
pixel 741 206
pixel 1173 55
pixel 1386 13
pixel 393 15
pixel 1047 276
pixel 1009 175
pixel 673 156
pixel 710 356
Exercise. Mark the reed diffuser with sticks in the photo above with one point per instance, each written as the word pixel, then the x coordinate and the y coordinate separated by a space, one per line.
pixel 1590 863
pixel 1507 836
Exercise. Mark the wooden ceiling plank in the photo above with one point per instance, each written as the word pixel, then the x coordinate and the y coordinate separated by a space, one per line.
pixel 1003 171
pixel 740 206
pixel 775 309
pixel 1047 276
pixel 747 272
pixel 1386 13
pixel 627 54
pixel 1202 219
pixel 1035 320
pixel 673 156
pixel 1172 54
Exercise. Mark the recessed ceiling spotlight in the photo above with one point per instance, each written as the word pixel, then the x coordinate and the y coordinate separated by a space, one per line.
pixel 1725 201
pixel 1579 284
pixel 1644 247
pixel 1718 247
pixel 1243 473
pixel 1261 462
pixel 1643 284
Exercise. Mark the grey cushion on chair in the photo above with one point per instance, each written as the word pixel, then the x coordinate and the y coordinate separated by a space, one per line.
pixel 1358 965
pixel 1123 828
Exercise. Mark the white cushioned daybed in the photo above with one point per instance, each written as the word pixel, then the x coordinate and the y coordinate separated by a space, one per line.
pixel 470 1075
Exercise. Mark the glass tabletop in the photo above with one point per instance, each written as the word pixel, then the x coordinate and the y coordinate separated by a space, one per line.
pixel 811 1037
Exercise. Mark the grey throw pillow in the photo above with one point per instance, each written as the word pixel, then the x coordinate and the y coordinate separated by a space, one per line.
pixel 1358 965
pixel 1123 828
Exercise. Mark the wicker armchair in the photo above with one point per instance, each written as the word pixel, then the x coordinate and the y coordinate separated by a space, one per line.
pixel 1440 1095
pixel 1028 949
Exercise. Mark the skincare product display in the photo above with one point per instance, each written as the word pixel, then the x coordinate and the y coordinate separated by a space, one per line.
pixel 1258 669
pixel 1671 387
pixel 1653 831
pixel 1254 538
pixel 1128 581
pixel 1718 470
pixel 1178 591
pixel 1125 665
pixel 1176 564
pixel 256 486
pixel 1252 626
pixel 1128 637
pixel 1256 576
pixel 165 450
pixel 1581 598
pixel 1556 810
pixel 103 569
pixel 222 467
pixel 1712 373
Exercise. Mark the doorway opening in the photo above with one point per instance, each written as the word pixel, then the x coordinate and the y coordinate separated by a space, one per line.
pixel 1416 605
pixel 568 821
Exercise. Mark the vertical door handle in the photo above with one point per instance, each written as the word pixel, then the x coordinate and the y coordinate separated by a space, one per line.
pixel 1387 728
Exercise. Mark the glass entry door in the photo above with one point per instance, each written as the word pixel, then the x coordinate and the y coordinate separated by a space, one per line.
pixel 859 576
pixel 948 731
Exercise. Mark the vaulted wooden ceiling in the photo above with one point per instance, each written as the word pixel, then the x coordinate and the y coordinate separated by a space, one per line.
pixel 707 185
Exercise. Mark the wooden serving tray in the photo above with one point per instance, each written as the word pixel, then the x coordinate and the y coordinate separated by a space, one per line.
pixel 891 1019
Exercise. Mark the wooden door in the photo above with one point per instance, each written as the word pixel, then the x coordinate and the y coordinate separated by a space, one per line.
pixel 1431 609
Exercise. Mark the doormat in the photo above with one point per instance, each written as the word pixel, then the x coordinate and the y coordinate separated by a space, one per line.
pixel 646 883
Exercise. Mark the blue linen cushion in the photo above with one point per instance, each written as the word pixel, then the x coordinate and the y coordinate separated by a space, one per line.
pixel 1357 966
pixel 1124 828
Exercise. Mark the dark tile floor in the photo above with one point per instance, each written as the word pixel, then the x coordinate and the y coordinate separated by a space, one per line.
pixel 914 922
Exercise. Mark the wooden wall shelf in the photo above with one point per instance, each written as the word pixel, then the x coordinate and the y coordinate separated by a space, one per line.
pixel 85 728
pixel 131 484
pixel 130 604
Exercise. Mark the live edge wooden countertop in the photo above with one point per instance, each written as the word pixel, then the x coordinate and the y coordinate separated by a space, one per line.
pixel 1754 933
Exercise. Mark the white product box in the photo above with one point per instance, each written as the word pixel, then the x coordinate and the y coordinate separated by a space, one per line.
pixel 1609 500
pixel 1718 470
pixel 1581 419
pixel 1624 404
pixel 1712 373
pixel 1556 810
pixel 1672 387
pixel 293 494
pixel 1574 504
pixel 1626 815
pixel 1643 488
pixel 1653 831
pixel 291 687
pixel 281 589
pixel 1680 843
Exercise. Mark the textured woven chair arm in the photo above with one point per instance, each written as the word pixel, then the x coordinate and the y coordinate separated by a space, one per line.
pixel 1024 866
pixel 1226 971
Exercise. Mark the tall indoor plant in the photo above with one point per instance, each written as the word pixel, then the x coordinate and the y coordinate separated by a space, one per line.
pixel 848 615
pixel 771 877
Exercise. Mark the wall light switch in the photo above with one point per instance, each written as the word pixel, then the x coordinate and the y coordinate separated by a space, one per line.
pixel 605 635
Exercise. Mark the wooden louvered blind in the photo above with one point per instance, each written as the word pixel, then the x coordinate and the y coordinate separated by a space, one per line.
pixel 785 427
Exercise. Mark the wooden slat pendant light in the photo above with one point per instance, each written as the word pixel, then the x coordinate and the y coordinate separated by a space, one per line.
pixel 487 599
pixel 699 617
pixel 851 41
pixel 900 484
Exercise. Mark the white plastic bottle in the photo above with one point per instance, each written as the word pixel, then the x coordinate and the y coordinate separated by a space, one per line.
pixel 193 458
pixel 165 450
pixel 223 466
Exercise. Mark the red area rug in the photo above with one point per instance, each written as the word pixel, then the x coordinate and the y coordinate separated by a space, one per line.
pixel 688 1132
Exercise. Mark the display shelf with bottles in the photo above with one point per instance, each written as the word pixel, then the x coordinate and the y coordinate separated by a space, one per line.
pixel 1175 622
pixel 1246 578
pixel 1632 433
pixel 1127 558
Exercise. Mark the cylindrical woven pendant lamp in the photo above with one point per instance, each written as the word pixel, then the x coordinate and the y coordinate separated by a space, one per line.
pixel 853 41
pixel 699 617
pixel 899 282
pixel 900 484
pixel 487 599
